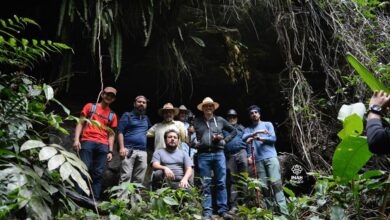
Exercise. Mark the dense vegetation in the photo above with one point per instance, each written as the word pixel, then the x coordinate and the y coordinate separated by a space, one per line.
pixel 314 37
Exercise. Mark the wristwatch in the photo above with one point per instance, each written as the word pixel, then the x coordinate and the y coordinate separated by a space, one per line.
pixel 376 109
pixel 110 152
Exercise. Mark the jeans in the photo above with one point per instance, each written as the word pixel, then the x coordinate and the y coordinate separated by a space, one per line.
pixel 236 164
pixel 268 171
pixel 94 155
pixel 133 169
pixel 215 162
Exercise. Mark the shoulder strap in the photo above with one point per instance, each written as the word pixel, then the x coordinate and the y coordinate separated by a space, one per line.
pixel 110 116
pixel 92 110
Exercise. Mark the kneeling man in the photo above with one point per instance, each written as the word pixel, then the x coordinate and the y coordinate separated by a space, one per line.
pixel 171 165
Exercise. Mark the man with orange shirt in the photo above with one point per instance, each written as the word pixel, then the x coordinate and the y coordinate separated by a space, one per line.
pixel 97 142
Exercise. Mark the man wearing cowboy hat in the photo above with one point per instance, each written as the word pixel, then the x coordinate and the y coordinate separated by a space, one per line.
pixel 211 157
pixel 97 142
pixel 157 130
pixel 133 142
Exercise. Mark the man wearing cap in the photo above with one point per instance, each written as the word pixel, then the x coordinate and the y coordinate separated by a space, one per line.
pixel 236 152
pixel 211 157
pixel 97 142
pixel 262 135
pixel 132 141
pixel 157 130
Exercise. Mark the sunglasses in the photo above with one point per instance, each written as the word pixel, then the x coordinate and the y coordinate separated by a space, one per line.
pixel 109 94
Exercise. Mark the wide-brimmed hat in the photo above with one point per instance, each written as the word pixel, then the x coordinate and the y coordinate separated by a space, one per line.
pixel 168 106
pixel 206 101
pixel 183 108
pixel 109 90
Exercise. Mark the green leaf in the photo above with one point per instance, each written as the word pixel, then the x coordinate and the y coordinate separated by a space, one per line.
pixel 66 170
pixel 353 126
pixel 366 75
pixel 289 192
pixel 47 153
pixel 30 144
pixel 337 213
pixel 49 92
pixel 40 208
pixel 66 110
pixel 350 156
pixel 79 180
pixel 372 173
pixel 198 41
pixel 170 201
pixel 55 162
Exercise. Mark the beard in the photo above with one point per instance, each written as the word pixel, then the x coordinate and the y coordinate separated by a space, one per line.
pixel 140 110
pixel 171 146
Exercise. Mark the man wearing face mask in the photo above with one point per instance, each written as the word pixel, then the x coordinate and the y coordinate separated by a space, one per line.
pixel 132 141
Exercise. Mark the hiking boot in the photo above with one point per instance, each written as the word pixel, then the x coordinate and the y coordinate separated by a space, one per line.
pixel 233 210
pixel 226 216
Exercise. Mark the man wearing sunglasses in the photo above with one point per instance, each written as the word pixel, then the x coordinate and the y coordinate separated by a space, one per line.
pixel 97 142
pixel 262 135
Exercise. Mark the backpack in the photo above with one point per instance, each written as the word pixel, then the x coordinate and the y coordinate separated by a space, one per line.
pixel 110 116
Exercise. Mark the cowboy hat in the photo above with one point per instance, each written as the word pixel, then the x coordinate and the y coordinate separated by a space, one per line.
pixel 205 101
pixel 183 108
pixel 168 106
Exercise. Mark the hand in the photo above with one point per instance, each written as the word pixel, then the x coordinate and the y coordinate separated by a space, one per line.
pixel 109 157
pixel 169 174
pixel 184 183
pixel 260 132
pixel 191 130
pixel 380 98
pixel 123 152
pixel 76 145
pixel 249 140
pixel 250 162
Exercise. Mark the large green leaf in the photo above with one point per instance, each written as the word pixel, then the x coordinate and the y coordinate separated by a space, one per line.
pixel 79 180
pixel 66 170
pixel 353 126
pixel 350 156
pixel 30 144
pixel 55 162
pixel 366 75
pixel 47 153
pixel 170 201
pixel 40 208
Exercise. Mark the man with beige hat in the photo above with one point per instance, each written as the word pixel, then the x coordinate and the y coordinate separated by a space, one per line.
pixel 168 111
pixel 211 157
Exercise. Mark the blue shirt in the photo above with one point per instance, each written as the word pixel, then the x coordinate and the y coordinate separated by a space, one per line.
pixel 263 149
pixel 236 144
pixel 134 128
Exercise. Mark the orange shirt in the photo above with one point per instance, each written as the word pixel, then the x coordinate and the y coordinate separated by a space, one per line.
pixel 95 133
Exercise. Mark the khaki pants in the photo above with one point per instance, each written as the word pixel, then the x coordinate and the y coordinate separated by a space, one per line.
pixel 133 169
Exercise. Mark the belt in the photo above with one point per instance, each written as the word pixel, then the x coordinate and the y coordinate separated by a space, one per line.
pixel 209 150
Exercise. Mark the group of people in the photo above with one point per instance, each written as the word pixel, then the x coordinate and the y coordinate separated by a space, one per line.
pixel 217 147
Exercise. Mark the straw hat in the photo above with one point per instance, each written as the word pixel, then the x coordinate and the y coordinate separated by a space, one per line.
pixel 168 106
pixel 183 108
pixel 206 101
